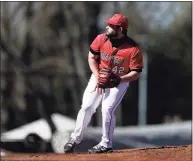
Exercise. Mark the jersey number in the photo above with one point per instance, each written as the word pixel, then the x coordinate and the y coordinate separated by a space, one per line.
pixel 118 70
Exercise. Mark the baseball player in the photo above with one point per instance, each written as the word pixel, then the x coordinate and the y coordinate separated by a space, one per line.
pixel 115 60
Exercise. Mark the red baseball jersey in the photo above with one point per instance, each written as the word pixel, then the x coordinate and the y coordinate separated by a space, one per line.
pixel 128 57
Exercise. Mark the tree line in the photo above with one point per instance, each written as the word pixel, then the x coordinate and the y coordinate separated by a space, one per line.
pixel 44 69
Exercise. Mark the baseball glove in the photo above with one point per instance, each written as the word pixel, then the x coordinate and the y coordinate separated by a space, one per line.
pixel 107 79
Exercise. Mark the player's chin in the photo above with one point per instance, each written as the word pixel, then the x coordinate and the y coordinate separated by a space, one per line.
pixel 109 34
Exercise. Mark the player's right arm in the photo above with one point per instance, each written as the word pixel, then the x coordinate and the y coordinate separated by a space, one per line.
pixel 94 66
pixel 93 63
pixel 94 55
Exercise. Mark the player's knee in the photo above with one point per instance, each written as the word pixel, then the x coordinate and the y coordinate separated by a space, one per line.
pixel 107 113
pixel 87 108
pixel 107 110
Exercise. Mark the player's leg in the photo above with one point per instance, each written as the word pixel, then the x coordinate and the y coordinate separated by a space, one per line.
pixel 91 100
pixel 111 99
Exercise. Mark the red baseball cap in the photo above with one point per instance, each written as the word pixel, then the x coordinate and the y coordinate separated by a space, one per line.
pixel 118 20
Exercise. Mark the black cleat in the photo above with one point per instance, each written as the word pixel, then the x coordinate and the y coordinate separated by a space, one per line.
pixel 69 146
pixel 100 149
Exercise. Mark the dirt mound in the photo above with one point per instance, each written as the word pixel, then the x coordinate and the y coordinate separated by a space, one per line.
pixel 175 153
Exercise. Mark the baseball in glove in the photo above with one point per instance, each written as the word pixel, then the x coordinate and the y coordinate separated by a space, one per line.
pixel 107 79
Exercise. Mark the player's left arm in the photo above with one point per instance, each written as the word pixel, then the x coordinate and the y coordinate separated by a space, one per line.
pixel 131 76
pixel 135 65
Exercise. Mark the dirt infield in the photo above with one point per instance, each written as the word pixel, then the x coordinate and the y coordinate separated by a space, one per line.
pixel 178 153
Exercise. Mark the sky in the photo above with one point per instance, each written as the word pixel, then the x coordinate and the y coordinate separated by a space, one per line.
pixel 162 13
pixel 159 12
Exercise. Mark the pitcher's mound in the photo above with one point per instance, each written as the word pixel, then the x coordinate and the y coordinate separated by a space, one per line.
pixel 167 153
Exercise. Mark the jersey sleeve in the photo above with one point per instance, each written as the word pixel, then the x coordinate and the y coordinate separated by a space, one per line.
pixel 136 60
pixel 96 45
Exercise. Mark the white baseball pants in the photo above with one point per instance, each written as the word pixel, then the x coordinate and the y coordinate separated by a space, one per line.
pixel 91 100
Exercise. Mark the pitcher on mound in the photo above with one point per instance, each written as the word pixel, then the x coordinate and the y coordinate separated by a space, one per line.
pixel 115 60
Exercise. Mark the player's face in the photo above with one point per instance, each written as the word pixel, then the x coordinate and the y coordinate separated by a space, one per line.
pixel 111 30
